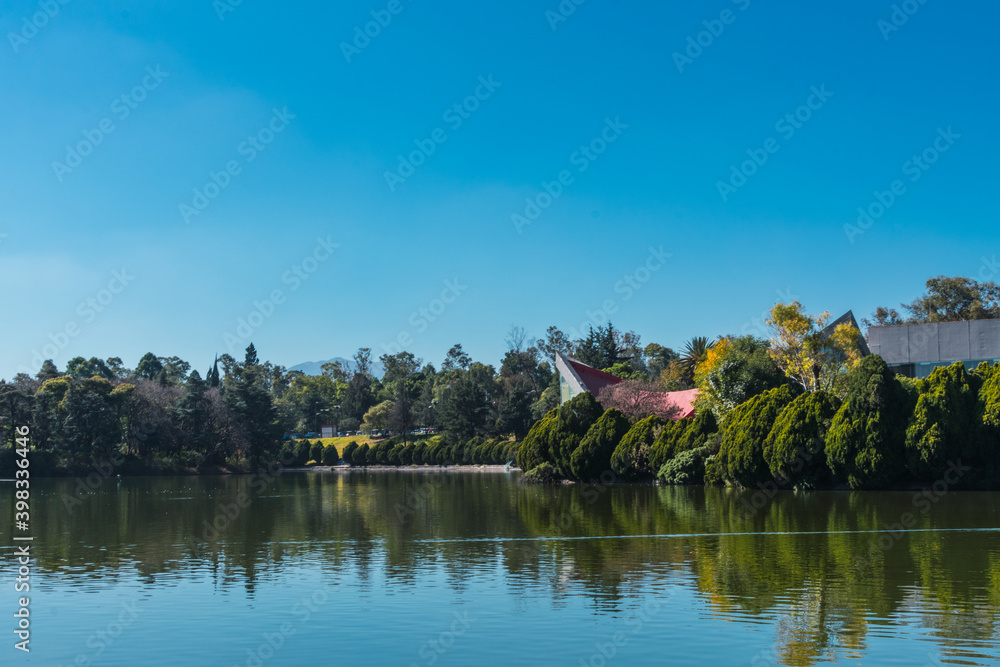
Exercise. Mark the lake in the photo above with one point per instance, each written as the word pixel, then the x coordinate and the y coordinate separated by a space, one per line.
pixel 461 568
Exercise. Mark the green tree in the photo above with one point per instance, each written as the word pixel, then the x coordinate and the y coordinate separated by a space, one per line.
pixel 377 418
pixel 741 447
pixel 349 452
pixel 865 443
pixel 693 354
pixel 630 459
pixel 794 449
pixel 942 428
pixel 593 456
pixel 734 371
pixel 812 356
pixel 149 367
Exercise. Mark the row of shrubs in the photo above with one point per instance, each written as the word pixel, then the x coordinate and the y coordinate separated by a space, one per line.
pixel 436 451
pixel 888 430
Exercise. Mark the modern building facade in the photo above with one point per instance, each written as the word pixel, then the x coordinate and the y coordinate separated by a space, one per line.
pixel 915 350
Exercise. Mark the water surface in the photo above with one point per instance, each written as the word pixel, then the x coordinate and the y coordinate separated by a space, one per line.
pixel 421 568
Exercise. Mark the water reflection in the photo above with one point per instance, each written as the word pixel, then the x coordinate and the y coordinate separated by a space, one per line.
pixel 828 571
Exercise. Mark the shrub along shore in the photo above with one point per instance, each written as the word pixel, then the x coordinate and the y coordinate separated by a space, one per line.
pixel 888 432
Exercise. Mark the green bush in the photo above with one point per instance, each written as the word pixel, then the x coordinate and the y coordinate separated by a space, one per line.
pixel 302 450
pixel 393 458
pixel 316 451
pixel 630 459
pixel 865 443
pixel 406 455
pixel 943 425
pixel 381 451
pixel 330 455
pixel 988 417
pixel 663 448
pixel 348 453
pixel 696 432
pixel 419 450
pixel 688 467
pixel 741 448
pixel 545 473
pixel 362 455
pixel 794 449
pixel 534 448
pixel 593 456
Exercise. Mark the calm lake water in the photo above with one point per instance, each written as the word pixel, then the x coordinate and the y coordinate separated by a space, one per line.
pixel 422 568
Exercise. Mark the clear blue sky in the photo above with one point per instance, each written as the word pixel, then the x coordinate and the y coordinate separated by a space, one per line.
pixel 553 87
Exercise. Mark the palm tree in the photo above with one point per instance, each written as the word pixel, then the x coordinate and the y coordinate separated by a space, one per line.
pixel 693 354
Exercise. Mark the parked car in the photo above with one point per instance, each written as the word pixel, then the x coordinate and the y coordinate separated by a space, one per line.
pixel 312 434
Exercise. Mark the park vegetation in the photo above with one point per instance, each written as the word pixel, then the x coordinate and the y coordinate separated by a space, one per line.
pixel 801 409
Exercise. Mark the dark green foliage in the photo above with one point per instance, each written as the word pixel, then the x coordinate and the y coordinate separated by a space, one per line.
pixel 697 431
pixel 865 443
pixel 663 448
pixel 741 449
pixel 988 416
pixel 688 467
pixel 943 427
pixel 316 453
pixel 593 456
pixel 363 456
pixel 348 453
pixel 534 448
pixel 381 452
pixel 417 456
pixel 545 473
pixel 302 450
pixel 406 455
pixel 330 456
pixel 394 458
pixel 557 435
pixel 794 449
pixel 630 459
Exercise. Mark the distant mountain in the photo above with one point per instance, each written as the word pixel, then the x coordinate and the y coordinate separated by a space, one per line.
pixel 316 367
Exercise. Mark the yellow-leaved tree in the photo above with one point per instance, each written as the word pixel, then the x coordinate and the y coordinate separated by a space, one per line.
pixel 809 352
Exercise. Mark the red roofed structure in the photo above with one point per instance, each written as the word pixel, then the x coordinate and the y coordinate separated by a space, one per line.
pixel 576 377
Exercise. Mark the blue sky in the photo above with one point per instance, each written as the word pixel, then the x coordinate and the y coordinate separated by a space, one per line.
pixel 642 137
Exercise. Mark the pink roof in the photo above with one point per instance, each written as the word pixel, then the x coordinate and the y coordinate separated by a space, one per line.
pixel 683 400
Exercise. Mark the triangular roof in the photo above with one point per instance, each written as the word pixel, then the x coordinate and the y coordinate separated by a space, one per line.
pixel 583 377
pixel 846 318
